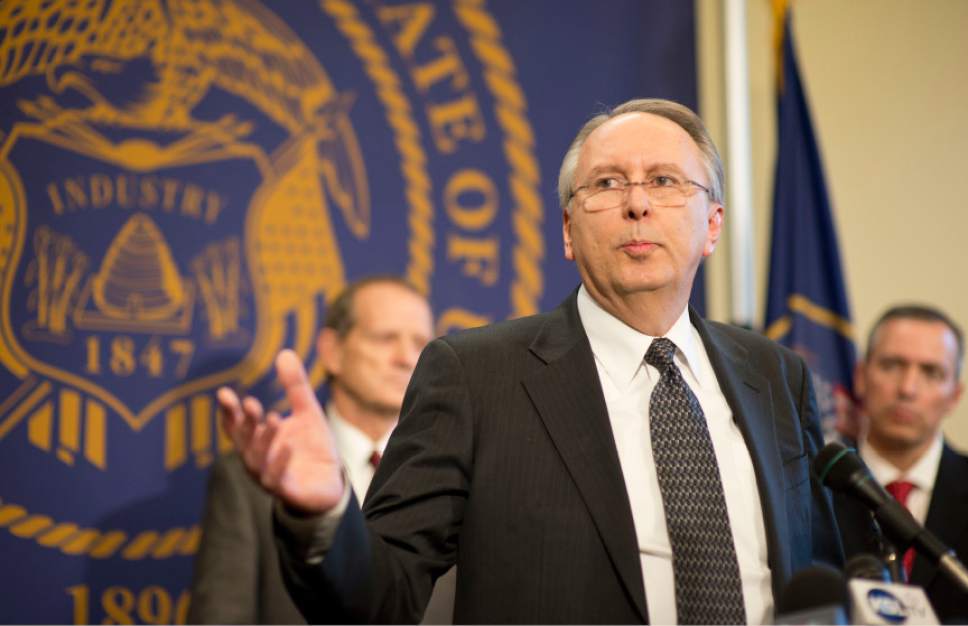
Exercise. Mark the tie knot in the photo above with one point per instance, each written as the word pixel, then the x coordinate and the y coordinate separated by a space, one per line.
pixel 660 353
pixel 900 489
pixel 375 459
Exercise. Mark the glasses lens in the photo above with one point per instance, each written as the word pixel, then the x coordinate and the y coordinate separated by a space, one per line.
pixel 604 200
pixel 666 196
pixel 613 198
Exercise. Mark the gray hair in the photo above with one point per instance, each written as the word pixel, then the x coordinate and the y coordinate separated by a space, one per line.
pixel 682 116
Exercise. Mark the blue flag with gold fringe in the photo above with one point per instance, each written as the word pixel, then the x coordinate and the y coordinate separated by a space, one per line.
pixel 184 185
pixel 806 305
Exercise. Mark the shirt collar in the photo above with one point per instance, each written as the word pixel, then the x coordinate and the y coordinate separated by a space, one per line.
pixel 353 444
pixel 621 349
pixel 922 474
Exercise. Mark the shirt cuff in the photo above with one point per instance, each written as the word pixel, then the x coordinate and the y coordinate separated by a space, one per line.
pixel 312 536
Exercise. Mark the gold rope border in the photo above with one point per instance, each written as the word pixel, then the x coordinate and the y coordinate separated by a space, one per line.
pixel 73 540
pixel 510 108
pixel 413 160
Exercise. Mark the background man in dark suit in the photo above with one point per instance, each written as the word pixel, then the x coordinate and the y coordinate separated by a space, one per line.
pixel 369 344
pixel 616 460
pixel 908 381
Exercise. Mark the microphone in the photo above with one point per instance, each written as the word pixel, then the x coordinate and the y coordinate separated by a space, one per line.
pixel 841 469
pixel 869 567
pixel 874 599
pixel 814 595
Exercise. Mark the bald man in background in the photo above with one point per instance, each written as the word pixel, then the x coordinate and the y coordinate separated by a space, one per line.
pixel 373 333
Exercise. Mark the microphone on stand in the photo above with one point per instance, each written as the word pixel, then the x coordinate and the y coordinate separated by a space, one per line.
pixel 868 567
pixel 841 469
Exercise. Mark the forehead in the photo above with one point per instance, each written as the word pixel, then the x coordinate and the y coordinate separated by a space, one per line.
pixel 917 340
pixel 640 140
pixel 389 305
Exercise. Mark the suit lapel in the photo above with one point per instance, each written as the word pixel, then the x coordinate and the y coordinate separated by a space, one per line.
pixel 945 518
pixel 748 396
pixel 568 396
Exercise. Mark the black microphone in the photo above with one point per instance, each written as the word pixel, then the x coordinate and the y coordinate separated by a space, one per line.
pixel 841 469
pixel 815 595
pixel 868 567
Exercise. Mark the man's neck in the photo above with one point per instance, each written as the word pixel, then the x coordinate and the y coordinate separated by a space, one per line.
pixel 901 457
pixel 374 425
pixel 650 312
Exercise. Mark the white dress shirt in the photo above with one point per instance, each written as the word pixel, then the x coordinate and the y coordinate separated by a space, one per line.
pixel 922 475
pixel 627 382
pixel 355 449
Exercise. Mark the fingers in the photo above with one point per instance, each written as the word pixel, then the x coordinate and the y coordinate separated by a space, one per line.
pixel 231 411
pixel 262 440
pixel 292 375
pixel 242 421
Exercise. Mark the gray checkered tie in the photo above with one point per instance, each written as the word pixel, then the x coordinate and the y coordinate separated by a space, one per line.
pixel 708 588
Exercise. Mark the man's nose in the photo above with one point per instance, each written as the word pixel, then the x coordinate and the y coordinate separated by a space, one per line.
pixel 407 354
pixel 908 385
pixel 637 202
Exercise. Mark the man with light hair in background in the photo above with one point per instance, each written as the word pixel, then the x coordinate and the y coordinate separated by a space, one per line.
pixel 369 344
pixel 908 381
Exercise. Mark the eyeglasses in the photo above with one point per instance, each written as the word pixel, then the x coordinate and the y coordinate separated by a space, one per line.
pixel 609 192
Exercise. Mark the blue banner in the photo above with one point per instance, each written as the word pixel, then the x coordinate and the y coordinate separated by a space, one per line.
pixel 185 185
pixel 807 307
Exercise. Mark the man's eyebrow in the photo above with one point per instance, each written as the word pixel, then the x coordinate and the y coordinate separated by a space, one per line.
pixel 614 168
pixel 665 166
pixel 600 169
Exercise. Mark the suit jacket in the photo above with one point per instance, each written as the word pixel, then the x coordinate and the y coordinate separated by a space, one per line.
pixel 504 462
pixel 947 519
pixel 237 577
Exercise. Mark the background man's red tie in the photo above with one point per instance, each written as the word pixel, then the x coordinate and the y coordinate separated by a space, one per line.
pixel 901 489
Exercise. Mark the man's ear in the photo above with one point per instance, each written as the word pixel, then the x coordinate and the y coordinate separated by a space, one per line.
pixel 955 397
pixel 860 383
pixel 714 227
pixel 330 349
pixel 566 234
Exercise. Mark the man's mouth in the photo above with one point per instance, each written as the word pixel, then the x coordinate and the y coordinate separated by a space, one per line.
pixel 637 247
pixel 905 416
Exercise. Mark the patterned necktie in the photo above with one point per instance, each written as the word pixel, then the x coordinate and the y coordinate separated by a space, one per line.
pixel 706 572
pixel 901 489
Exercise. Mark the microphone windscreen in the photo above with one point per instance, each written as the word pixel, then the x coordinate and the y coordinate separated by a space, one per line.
pixel 813 587
pixel 835 464
pixel 867 566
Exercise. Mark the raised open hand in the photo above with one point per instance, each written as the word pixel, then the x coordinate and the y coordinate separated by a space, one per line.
pixel 294 458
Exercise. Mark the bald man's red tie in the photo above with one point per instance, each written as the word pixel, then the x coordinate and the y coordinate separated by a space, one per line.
pixel 901 489
pixel 375 459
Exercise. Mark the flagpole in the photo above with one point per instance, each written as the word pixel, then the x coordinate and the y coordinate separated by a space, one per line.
pixel 740 164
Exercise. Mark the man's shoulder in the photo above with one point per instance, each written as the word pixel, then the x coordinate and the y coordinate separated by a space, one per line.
pixel 521 330
pixel 954 463
pixel 759 346
pixel 518 334
pixel 230 480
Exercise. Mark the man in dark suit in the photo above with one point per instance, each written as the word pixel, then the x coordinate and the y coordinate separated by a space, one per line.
pixel 908 382
pixel 617 460
pixel 369 344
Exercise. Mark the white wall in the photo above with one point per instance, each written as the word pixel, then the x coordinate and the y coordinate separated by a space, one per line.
pixel 887 82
